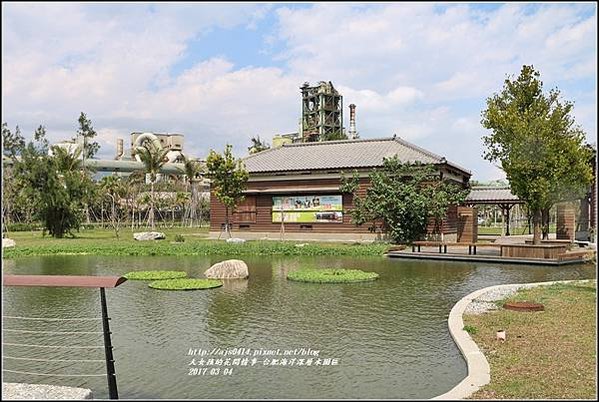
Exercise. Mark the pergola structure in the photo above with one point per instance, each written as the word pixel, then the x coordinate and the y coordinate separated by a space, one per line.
pixel 501 196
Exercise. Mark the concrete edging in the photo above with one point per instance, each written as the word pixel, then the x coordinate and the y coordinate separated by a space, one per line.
pixel 479 372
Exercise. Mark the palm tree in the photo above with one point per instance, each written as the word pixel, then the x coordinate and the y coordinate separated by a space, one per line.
pixel 153 159
pixel 258 145
pixel 67 161
pixel 193 170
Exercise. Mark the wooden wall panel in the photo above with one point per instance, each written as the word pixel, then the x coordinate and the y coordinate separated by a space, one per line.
pixel 263 209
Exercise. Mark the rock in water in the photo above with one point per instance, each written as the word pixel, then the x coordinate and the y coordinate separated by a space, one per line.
pixel 235 240
pixel 149 236
pixel 228 269
pixel 8 243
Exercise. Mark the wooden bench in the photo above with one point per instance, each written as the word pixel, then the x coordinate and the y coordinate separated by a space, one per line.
pixel 443 246
pixel 533 251
pixel 418 244
pixel 575 255
pixel 473 246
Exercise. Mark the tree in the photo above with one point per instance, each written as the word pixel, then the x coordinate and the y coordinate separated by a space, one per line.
pixel 153 159
pixel 133 185
pixel 258 145
pixel 442 194
pixel 54 184
pixel 112 188
pixel 335 136
pixel 86 134
pixel 228 180
pixel 538 144
pixel 12 144
pixel 402 199
pixel 193 170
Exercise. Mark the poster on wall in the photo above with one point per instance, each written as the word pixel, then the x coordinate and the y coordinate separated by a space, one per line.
pixel 308 209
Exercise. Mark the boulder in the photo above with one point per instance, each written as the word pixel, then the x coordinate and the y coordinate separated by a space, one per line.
pixel 141 236
pixel 228 269
pixel 8 243
pixel 235 240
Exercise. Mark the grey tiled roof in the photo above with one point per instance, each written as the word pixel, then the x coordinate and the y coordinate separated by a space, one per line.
pixel 339 155
pixel 490 195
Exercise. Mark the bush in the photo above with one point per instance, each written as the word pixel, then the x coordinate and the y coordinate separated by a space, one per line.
pixel 195 247
pixel 179 238
pixel 185 284
pixel 23 227
pixel 331 275
pixel 154 275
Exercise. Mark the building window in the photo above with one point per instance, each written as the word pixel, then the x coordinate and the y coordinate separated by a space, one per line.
pixel 246 210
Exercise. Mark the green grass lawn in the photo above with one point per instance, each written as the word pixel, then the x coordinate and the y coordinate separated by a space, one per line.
pixel 98 236
pixel 498 231
pixel 103 242
pixel 550 354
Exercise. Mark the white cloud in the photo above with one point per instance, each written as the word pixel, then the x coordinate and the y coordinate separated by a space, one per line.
pixel 410 69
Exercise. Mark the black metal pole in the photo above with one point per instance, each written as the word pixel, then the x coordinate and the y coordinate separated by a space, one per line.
pixel 110 372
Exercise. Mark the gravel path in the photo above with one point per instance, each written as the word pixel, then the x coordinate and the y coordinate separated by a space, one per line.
pixel 486 301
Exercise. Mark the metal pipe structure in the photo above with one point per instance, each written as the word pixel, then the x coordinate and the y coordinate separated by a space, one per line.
pixel 353 134
pixel 145 137
pixel 108 165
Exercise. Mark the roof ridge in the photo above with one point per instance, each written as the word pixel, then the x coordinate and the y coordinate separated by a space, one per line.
pixel 442 159
pixel 419 149
pixel 301 144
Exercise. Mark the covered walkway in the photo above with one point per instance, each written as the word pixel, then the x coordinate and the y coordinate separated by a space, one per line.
pixel 501 196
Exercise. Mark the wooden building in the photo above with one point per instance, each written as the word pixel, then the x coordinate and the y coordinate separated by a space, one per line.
pixel 299 183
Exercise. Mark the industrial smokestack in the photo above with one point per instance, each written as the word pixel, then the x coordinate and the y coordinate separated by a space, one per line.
pixel 119 148
pixel 353 134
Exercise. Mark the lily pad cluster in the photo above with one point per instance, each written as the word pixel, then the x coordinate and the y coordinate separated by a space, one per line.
pixel 172 280
pixel 154 275
pixel 332 275
pixel 186 284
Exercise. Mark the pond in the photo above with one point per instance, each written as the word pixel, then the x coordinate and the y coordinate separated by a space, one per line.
pixel 381 339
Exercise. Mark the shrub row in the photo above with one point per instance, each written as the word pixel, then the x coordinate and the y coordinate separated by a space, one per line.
pixel 202 247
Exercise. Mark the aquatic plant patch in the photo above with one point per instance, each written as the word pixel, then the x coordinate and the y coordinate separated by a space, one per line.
pixel 332 275
pixel 154 275
pixel 186 284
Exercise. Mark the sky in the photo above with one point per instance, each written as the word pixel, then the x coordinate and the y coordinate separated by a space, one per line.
pixel 222 73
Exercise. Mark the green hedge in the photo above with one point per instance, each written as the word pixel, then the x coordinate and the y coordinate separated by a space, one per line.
pixel 198 247
pixel 332 275
pixel 154 275
pixel 23 227
pixel 185 284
